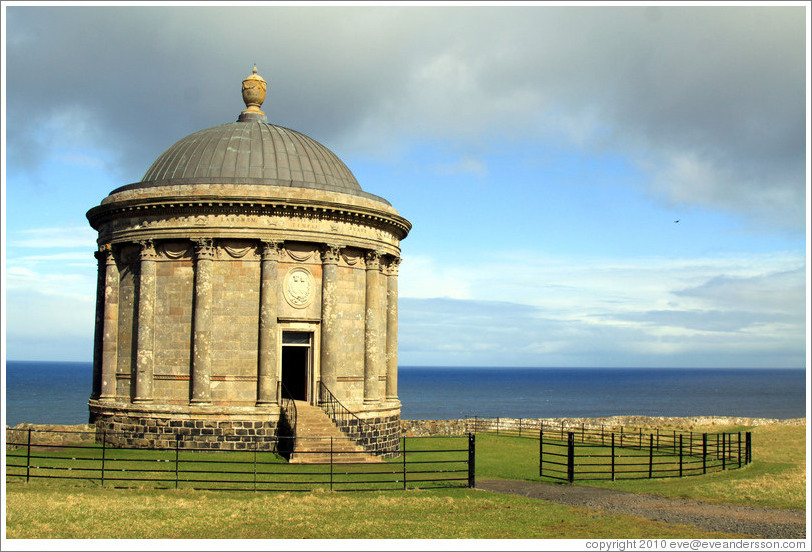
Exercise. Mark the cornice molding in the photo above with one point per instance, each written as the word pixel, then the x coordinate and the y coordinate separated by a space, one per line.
pixel 171 207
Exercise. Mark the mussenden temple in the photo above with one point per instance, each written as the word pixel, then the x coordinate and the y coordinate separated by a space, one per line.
pixel 247 269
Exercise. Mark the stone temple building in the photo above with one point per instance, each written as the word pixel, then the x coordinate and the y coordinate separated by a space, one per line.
pixel 247 266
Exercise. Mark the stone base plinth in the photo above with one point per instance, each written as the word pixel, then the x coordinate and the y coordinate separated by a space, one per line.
pixel 190 428
pixel 379 433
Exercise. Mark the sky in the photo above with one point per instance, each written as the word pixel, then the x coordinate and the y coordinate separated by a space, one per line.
pixel 543 153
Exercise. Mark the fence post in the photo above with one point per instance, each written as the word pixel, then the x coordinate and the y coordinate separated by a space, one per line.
pixel 520 427
pixel 256 444
pixel 601 434
pixel 639 439
pixel 403 457
pixel 651 453
pixel 613 456
pixel 541 450
pixel 582 432
pixel 621 436
pixel 740 449
pixel 680 454
pixel 570 456
pixel 331 463
pixel 724 464
pixel 28 458
pixel 471 461
pixel 562 430
pixel 177 455
pixel 748 450
pixel 104 447
pixel 704 453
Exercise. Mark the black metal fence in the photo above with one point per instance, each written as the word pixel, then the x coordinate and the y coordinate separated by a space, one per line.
pixel 424 462
pixel 680 456
pixel 574 451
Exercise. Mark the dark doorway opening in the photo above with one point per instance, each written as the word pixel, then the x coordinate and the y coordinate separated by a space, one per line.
pixel 295 361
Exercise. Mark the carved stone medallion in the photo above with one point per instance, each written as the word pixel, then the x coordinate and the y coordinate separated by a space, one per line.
pixel 298 287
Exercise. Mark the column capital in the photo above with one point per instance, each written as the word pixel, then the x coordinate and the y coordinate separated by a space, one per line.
pixel 147 252
pixel 271 249
pixel 331 253
pixel 373 260
pixel 204 248
pixel 392 265
pixel 105 254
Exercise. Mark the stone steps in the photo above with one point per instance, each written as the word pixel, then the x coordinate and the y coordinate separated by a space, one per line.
pixel 317 435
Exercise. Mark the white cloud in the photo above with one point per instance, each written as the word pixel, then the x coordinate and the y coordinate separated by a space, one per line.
pixel 55 238
pixel 575 312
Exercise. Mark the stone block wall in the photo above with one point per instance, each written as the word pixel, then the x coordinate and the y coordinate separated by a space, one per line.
pixel 173 328
pixel 163 433
pixel 379 435
pixel 349 387
pixel 234 323
pixel 127 316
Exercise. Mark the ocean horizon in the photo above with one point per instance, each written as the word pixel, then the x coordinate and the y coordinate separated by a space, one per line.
pixel 57 392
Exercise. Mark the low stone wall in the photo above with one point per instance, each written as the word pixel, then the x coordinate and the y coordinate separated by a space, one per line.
pixel 48 434
pixel 424 428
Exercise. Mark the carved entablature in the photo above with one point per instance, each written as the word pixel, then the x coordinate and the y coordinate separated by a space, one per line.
pixel 115 221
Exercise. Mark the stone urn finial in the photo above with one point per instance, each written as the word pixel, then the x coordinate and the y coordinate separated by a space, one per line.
pixel 253 94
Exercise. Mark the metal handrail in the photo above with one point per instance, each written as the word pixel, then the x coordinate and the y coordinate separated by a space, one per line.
pixel 343 416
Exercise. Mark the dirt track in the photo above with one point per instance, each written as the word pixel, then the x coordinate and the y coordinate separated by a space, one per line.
pixel 743 520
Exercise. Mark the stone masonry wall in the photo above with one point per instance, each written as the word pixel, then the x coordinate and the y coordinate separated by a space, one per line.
pixel 143 432
pixel 379 435
pixel 424 428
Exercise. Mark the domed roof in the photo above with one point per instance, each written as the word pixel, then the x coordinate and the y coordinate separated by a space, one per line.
pixel 251 151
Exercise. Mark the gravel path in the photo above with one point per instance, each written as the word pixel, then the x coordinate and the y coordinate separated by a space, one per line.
pixel 744 520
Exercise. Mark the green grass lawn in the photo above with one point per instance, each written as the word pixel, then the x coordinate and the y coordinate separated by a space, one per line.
pixel 43 511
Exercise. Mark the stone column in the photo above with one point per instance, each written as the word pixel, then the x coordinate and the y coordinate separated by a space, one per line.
pixel 392 329
pixel 201 332
pixel 373 355
pixel 331 341
pixel 109 358
pixel 267 362
pixel 98 332
pixel 145 357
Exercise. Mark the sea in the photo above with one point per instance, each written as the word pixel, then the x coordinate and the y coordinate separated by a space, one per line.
pixel 57 392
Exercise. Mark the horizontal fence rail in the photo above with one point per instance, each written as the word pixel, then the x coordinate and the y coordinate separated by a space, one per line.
pixel 568 452
pixel 423 463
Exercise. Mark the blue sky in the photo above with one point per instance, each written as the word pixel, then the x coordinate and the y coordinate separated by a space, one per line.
pixel 541 152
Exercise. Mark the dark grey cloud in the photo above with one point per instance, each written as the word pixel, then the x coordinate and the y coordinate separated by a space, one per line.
pixel 708 101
